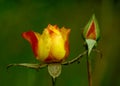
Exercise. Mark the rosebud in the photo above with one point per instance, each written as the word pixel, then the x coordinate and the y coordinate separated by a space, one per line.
pixel 91 33
pixel 91 30
pixel 50 46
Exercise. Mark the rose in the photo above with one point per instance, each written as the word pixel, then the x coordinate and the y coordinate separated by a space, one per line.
pixel 91 33
pixel 50 46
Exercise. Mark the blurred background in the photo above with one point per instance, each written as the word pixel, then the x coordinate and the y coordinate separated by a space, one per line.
pixel 17 16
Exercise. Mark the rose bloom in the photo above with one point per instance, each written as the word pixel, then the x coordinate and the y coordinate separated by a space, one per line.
pixel 50 46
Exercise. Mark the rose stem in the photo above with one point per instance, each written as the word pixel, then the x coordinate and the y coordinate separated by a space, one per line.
pixel 89 71
pixel 53 81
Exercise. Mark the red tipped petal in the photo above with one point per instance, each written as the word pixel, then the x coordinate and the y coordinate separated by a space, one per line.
pixel 91 32
pixel 31 37
pixel 67 47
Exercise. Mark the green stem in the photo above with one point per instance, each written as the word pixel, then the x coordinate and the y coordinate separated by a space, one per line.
pixel 53 81
pixel 28 65
pixel 89 70
pixel 76 59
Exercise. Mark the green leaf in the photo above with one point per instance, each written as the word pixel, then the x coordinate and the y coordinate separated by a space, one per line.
pixel 90 43
pixel 54 69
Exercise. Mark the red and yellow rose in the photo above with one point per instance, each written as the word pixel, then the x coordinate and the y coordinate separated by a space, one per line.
pixel 50 46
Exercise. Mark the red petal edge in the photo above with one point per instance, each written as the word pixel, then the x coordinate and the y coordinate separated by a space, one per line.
pixel 92 31
pixel 31 37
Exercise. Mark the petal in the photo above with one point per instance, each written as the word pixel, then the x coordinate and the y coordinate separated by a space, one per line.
pixel 53 29
pixel 91 33
pixel 65 34
pixel 57 47
pixel 44 45
pixel 33 39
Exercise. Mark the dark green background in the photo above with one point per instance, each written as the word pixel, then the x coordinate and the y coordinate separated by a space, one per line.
pixel 17 16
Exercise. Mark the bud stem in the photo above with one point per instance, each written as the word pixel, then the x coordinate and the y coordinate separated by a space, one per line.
pixel 89 70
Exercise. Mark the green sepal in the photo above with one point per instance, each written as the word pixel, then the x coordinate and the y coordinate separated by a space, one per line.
pixel 54 69
pixel 90 44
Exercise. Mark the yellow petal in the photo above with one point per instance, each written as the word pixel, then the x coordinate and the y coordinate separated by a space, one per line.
pixel 57 48
pixel 65 33
pixel 44 45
